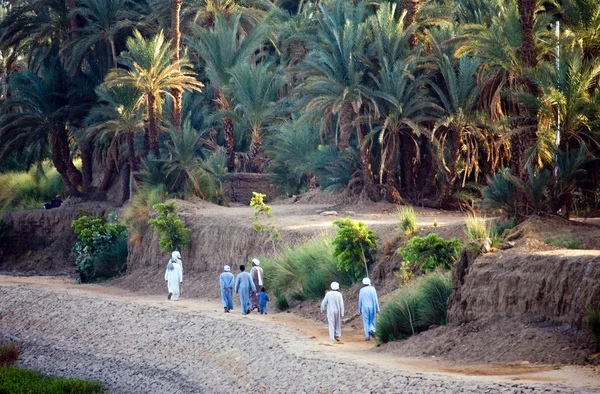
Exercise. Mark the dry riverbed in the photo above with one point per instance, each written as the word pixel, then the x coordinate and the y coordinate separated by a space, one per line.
pixel 144 344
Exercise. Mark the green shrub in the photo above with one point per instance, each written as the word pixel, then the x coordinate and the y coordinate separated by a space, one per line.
pixel 95 238
pixel 281 303
pixel 24 381
pixel 431 252
pixel 9 353
pixel 564 241
pixel 112 261
pixel 353 246
pixel 138 211
pixel 263 210
pixel 592 319
pixel 304 271
pixel 415 308
pixel 499 194
pixel 174 235
pixel 408 220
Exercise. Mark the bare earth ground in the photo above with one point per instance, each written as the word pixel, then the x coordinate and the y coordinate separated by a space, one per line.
pixel 138 343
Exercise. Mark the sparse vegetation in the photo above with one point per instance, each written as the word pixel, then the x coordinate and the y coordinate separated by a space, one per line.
pixel 262 210
pixel 24 381
pixel 9 354
pixel 408 220
pixel 415 308
pixel 138 211
pixel 592 319
pixel 354 245
pixel 566 241
pixel 174 235
pixel 478 228
pixel 304 271
pixel 431 252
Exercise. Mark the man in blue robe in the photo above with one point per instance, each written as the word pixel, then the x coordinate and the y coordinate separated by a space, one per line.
pixel 368 306
pixel 226 280
pixel 243 286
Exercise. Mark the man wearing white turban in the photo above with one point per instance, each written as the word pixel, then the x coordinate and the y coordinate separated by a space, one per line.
pixel 334 304
pixel 226 281
pixel 368 306
pixel 257 278
pixel 174 276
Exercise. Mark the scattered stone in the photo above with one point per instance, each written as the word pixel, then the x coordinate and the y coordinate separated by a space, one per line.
pixel 329 213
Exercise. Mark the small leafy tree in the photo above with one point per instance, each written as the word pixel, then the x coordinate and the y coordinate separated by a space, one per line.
pixel 353 245
pixel 174 235
pixel 95 237
pixel 431 252
pixel 263 210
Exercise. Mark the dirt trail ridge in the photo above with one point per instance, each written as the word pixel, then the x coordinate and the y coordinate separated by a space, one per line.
pixel 145 344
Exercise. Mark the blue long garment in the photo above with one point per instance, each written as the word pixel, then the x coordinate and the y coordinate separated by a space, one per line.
pixel 243 286
pixel 264 298
pixel 368 306
pixel 226 280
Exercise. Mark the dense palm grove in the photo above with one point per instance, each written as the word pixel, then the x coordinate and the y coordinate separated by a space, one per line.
pixel 410 101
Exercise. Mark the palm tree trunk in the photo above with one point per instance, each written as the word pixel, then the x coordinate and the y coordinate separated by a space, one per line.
pixel 411 7
pixel 152 125
pixel 176 42
pixel 113 51
pixel 113 156
pixel 227 124
pixel 255 149
pixel 131 150
pixel 527 20
pixel 367 171
pixel 345 127
pixel 71 5
pixel 87 162
pixel 407 156
pixel 454 152
pixel 56 143
pixel 391 165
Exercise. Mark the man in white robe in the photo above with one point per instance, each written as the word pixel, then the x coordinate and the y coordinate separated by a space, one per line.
pixel 368 306
pixel 257 278
pixel 173 276
pixel 334 304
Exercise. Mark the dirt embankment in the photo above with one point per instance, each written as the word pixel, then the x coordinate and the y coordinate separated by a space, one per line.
pixel 40 241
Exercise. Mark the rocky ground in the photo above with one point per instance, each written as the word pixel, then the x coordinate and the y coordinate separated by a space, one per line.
pixel 133 346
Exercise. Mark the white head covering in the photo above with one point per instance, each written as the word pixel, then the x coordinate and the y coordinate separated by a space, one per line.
pixel 335 286
pixel 227 268
pixel 176 255
pixel 366 281
pixel 255 261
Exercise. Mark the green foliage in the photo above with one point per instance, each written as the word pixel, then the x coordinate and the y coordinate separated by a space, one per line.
pixel 431 252
pixel 281 303
pixel 354 245
pixel 567 241
pixel 95 252
pixel 408 220
pixel 137 213
pixel 29 190
pixel 304 271
pixel 174 235
pixel 592 319
pixel 9 354
pixel 262 210
pixel 334 169
pixel 415 308
pixel 24 381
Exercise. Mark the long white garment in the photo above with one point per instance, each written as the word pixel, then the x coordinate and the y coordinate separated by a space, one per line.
pixel 174 277
pixel 368 306
pixel 176 258
pixel 334 304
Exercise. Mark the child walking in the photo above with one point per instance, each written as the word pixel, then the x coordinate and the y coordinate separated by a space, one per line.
pixel 263 299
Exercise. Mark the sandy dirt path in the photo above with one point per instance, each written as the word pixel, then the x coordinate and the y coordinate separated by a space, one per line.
pixel 32 306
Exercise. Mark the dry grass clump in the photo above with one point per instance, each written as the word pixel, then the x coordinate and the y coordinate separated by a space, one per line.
pixel 138 211
pixel 408 220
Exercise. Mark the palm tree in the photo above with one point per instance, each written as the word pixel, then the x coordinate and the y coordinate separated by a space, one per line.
pixel 152 71
pixel 36 116
pixel 106 24
pixel 117 117
pixel 205 12
pixel 334 79
pixel 254 90
pixel 582 23
pixel 222 48
pixel 176 42
pixel 412 8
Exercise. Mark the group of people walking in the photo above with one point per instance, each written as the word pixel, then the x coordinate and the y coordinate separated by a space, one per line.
pixel 253 296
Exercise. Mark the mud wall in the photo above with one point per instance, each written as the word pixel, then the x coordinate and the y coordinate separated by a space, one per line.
pixel 239 187
pixel 41 241
pixel 557 285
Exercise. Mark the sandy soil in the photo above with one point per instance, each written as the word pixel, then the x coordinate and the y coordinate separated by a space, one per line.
pixel 137 343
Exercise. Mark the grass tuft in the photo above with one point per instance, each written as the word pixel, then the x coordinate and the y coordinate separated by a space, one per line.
pixel 565 241
pixel 592 318
pixel 416 308
pixel 408 220
pixel 478 228
pixel 24 381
